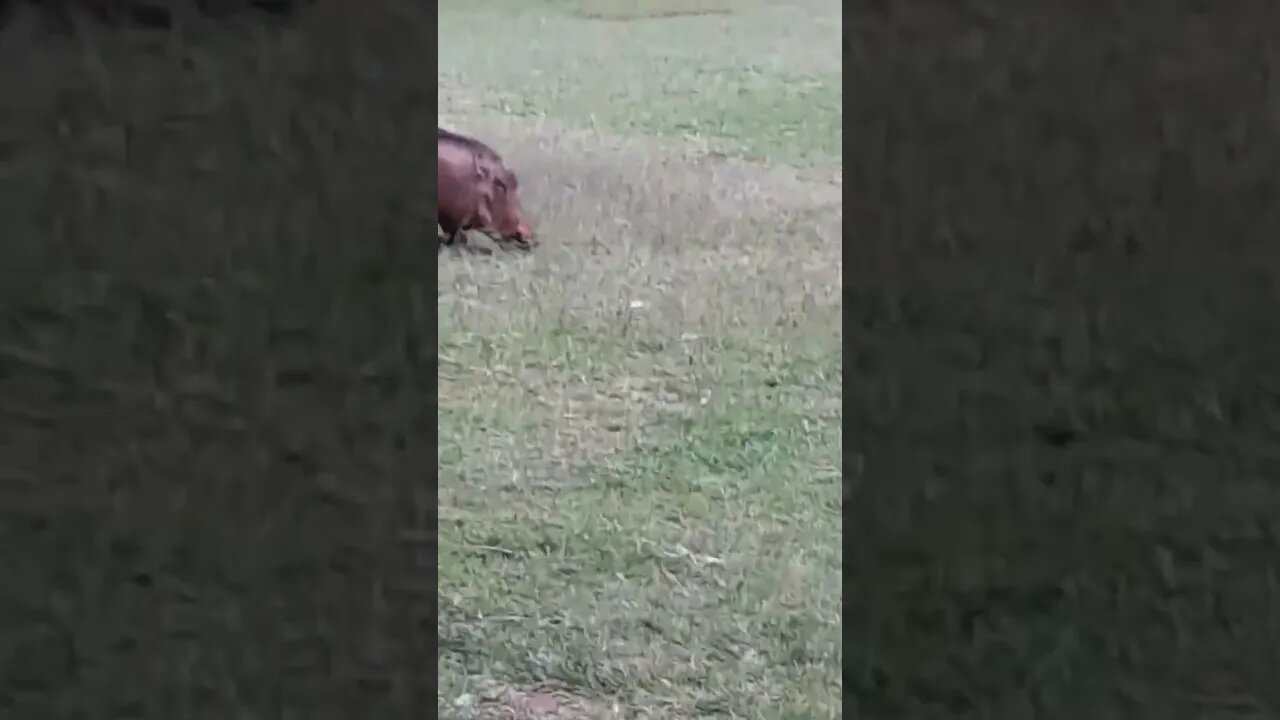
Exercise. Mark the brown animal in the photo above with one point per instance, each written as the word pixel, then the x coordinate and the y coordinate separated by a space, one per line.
pixel 477 191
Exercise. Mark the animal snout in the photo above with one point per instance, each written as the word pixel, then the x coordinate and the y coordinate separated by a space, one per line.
pixel 524 234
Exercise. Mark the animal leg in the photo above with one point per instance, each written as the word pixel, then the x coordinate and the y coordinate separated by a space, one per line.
pixel 449 237
pixel 460 232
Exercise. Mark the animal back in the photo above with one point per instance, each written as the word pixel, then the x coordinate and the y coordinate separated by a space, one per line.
pixel 471 144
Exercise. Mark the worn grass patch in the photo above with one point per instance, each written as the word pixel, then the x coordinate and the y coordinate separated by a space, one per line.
pixel 639 10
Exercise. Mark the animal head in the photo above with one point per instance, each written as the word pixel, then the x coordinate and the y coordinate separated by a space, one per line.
pixel 499 208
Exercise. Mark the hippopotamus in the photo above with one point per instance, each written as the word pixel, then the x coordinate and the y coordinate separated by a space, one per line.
pixel 477 191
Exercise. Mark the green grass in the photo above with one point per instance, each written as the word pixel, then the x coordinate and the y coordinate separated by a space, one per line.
pixel 692 571
pixel 639 423
pixel 736 83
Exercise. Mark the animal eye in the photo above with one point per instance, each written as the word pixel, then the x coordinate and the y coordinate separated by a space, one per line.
pixel 500 185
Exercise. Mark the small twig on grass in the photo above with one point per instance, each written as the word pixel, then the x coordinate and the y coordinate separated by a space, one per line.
pixel 486 548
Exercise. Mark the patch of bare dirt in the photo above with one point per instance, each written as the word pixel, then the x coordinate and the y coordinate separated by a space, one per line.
pixel 503 702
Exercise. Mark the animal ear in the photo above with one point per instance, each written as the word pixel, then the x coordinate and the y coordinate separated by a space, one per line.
pixel 482 169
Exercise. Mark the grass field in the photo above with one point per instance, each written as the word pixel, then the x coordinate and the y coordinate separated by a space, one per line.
pixel 639 423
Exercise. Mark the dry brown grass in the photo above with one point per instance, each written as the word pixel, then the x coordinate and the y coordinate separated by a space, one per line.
pixel 215 384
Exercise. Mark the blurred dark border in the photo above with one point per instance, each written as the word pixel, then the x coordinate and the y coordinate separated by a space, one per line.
pixel 217 362
pixel 1011 163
